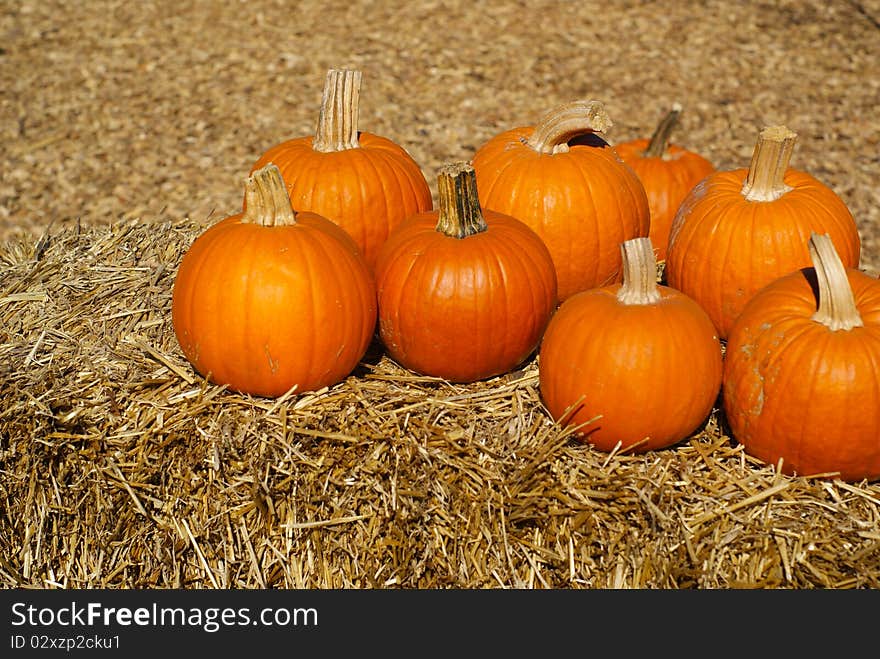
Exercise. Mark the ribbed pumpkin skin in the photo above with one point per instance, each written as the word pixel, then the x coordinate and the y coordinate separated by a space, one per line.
pixel 724 248
pixel 366 190
pixel 582 203
pixel 667 181
pixel 650 370
pixel 463 309
pixel 264 308
pixel 794 389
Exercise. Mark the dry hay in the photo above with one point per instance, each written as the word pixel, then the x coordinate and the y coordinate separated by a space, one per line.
pixel 121 468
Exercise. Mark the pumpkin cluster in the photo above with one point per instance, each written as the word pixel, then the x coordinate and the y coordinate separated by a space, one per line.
pixel 650 286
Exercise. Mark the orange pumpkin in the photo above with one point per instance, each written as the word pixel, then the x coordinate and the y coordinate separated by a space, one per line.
pixel 364 182
pixel 635 366
pixel 571 188
pixel 668 171
pixel 802 377
pixel 464 293
pixel 739 230
pixel 271 298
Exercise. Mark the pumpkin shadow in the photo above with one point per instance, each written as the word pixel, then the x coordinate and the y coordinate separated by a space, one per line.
pixel 589 139
pixel 373 355
pixel 813 280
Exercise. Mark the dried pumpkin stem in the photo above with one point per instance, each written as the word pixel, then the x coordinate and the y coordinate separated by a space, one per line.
pixel 765 179
pixel 557 127
pixel 661 137
pixel 639 272
pixel 267 202
pixel 337 128
pixel 460 214
pixel 837 306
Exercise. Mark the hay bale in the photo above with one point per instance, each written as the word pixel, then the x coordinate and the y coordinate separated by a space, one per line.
pixel 120 467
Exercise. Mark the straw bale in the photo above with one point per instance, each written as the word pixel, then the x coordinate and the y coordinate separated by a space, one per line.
pixel 127 128
pixel 120 467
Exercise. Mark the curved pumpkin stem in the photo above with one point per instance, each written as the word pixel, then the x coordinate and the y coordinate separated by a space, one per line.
pixel 837 306
pixel 765 179
pixel 661 137
pixel 337 128
pixel 639 272
pixel 460 214
pixel 557 127
pixel 267 202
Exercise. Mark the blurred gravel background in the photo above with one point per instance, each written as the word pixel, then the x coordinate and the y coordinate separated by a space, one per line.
pixel 156 110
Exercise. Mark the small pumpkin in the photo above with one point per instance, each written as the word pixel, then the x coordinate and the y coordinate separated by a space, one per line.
pixel 635 366
pixel 802 376
pixel 464 292
pixel 568 185
pixel 271 298
pixel 668 171
pixel 740 229
pixel 364 182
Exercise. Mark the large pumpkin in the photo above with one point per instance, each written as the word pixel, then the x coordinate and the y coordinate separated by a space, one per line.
pixel 464 293
pixel 738 230
pixel 634 366
pixel 802 376
pixel 270 298
pixel 364 182
pixel 570 187
pixel 668 171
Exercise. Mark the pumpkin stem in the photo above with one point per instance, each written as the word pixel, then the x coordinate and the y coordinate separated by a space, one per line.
pixel 764 181
pixel 639 284
pixel 337 128
pixel 267 202
pixel 561 124
pixel 460 214
pixel 837 306
pixel 660 139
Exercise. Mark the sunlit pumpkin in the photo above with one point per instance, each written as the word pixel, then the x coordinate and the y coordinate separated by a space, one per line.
pixel 740 229
pixel 364 182
pixel 668 171
pixel 632 366
pixel 464 292
pixel 802 370
pixel 566 183
pixel 271 298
